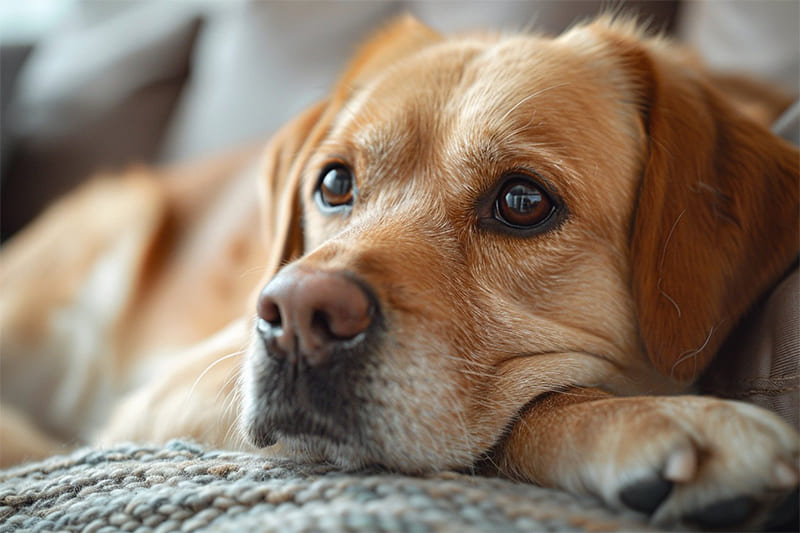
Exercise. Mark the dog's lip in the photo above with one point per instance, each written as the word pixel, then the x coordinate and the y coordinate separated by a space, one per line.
pixel 527 355
pixel 507 375
pixel 297 422
pixel 300 417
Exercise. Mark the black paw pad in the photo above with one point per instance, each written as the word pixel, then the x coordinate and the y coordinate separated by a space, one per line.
pixel 645 496
pixel 723 514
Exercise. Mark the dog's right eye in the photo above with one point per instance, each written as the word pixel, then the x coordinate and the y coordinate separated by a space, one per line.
pixel 336 187
pixel 523 204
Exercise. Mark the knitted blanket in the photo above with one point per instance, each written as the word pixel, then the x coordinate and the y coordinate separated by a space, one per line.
pixel 184 487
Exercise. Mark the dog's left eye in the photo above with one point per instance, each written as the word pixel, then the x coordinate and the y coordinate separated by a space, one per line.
pixel 522 204
pixel 335 188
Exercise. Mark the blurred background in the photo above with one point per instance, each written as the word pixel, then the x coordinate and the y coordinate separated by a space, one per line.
pixel 97 85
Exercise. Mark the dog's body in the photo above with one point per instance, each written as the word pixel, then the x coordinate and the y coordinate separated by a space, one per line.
pixel 497 235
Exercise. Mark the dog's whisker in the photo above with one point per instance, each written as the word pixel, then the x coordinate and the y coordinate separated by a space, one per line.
pixel 253 270
pixel 463 427
pixel 232 433
pixel 228 397
pixel 226 392
pixel 208 368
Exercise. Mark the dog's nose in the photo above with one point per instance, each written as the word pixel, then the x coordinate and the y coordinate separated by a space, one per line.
pixel 310 312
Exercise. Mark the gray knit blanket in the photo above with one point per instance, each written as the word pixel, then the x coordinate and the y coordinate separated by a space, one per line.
pixel 184 487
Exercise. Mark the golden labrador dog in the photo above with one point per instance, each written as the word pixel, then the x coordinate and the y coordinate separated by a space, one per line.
pixel 494 252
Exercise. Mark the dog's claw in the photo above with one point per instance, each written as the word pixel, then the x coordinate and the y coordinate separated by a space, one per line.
pixel 723 514
pixel 784 475
pixel 681 466
pixel 646 495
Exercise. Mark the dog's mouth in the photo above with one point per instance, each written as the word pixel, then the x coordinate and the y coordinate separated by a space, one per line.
pixel 295 423
pixel 291 399
pixel 337 412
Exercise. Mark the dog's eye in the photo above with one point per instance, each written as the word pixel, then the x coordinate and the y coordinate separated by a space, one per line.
pixel 335 187
pixel 522 204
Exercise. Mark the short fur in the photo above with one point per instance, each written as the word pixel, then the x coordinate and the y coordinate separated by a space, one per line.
pixel 127 309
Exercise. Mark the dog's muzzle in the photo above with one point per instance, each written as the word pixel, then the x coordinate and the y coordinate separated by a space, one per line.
pixel 316 327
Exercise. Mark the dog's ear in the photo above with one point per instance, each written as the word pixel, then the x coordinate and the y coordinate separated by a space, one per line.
pixel 716 223
pixel 281 218
pixel 292 145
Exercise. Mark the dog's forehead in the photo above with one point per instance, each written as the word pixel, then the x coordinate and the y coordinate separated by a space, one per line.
pixel 490 103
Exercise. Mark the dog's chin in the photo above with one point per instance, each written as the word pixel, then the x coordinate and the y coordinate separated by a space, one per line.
pixel 307 439
pixel 353 457
pixel 345 456
pixel 297 425
pixel 335 416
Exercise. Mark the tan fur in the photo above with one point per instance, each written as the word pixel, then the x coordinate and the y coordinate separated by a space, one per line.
pixel 663 246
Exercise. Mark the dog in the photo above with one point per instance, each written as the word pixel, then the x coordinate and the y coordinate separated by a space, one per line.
pixel 512 254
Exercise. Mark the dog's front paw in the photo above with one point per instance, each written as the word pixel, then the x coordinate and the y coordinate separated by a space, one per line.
pixel 701 461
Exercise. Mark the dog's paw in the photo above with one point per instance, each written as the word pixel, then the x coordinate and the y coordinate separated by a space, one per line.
pixel 704 462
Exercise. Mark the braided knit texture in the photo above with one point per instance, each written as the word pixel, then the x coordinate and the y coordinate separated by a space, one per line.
pixel 184 487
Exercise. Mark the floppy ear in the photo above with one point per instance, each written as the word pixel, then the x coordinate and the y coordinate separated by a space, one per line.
pixel 281 216
pixel 716 223
pixel 293 144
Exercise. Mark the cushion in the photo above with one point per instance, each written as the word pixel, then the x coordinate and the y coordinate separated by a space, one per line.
pixel 182 486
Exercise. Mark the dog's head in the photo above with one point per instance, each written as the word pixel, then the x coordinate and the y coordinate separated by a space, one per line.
pixel 471 222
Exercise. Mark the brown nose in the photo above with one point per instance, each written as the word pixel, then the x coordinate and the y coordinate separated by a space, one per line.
pixel 310 312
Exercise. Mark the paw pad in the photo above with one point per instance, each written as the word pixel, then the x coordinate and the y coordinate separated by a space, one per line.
pixel 645 496
pixel 723 514
pixel 785 517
